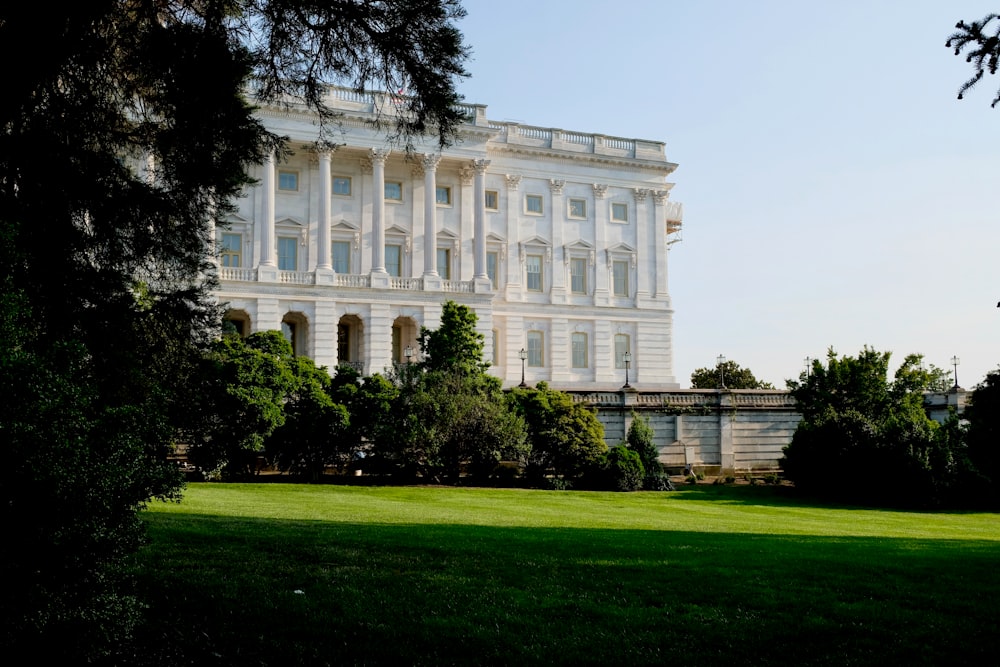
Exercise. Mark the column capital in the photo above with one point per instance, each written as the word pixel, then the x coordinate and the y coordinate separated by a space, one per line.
pixel 556 186
pixel 513 181
pixel 430 161
pixel 480 166
pixel 660 196
pixel 640 194
pixel 600 190
pixel 379 155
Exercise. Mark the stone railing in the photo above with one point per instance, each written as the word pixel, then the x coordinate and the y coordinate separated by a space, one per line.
pixel 351 280
pixel 457 286
pixel 406 283
pixel 237 273
pixel 296 277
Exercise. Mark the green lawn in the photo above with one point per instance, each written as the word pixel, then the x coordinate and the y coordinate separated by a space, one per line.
pixel 281 574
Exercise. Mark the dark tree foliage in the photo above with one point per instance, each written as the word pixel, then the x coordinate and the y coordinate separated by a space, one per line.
pixel 455 346
pixel 983 435
pixel 244 386
pixel 734 376
pixel 567 440
pixel 624 469
pixel 982 41
pixel 866 439
pixel 315 432
pixel 121 137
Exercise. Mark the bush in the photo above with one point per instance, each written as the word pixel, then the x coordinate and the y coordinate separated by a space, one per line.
pixel 624 469
pixel 640 439
pixel 657 481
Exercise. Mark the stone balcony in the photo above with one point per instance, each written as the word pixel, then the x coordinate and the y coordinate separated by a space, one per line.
pixel 362 281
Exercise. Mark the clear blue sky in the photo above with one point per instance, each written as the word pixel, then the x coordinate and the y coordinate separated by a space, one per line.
pixel 836 193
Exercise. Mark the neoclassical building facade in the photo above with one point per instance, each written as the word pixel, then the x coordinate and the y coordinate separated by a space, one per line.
pixel 557 240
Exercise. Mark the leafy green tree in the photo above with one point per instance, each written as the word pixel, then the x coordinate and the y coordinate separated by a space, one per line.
pixel 866 439
pixel 566 438
pixel 732 373
pixel 455 346
pixel 246 383
pixel 982 39
pixel 641 439
pixel 982 414
pixel 624 469
pixel 315 433
pixel 454 423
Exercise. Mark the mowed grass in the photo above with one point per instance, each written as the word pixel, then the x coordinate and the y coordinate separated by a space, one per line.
pixel 281 574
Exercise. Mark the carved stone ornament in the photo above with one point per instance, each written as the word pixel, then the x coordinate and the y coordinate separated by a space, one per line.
pixel 660 196
pixel 465 174
pixel 366 165
pixel 635 259
pixel 513 181
pixel 430 161
pixel 480 166
pixel 640 194
pixel 357 240
pixel 548 254
pixel 556 186
pixel 600 190
pixel 592 257
pixel 379 155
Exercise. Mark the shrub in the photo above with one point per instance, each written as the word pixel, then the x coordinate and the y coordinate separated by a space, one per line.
pixel 624 468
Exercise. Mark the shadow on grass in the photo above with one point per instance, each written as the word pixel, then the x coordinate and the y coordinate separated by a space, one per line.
pixel 238 591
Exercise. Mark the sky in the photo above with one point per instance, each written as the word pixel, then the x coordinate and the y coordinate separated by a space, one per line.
pixel 836 193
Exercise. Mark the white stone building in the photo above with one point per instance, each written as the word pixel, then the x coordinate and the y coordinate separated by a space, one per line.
pixel 557 240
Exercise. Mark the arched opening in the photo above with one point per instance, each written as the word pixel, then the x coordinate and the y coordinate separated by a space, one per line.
pixel 236 321
pixel 404 335
pixel 349 343
pixel 295 328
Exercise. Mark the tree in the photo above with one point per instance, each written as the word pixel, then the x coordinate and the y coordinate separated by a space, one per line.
pixel 118 147
pixel 865 439
pixel 566 438
pixel 733 375
pixel 983 435
pixel 315 433
pixel 455 346
pixel 982 39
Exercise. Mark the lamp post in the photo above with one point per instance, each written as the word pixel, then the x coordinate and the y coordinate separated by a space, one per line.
pixel 523 354
pixel 722 371
pixel 954 363
pixel 809 366
pixel 627 358
pixel 408 353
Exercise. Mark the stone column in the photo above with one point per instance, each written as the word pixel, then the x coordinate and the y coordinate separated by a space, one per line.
pixel 601 297
pixel 378 156
pixel 642 246
pixel 514 259
pixel 559 269
pixel 660 243
pixel 325 260
pixel 479 218
pixel 430 164
pixel 267 242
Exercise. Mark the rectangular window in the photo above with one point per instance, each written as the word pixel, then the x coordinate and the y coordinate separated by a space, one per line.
pixel 619 212
pixel 578 275
pixel 579 343
pixel 533 204
pixel 578 208
pixel 492 200
pixel 232 249
pixel 341 256
pixel 533 263
pixel 342 186
pixel 492 260
pixel 443 195
pixel 394 260
pixel 621 347
pixel 394 191
pixel 288 180
pixel 288 253
pixel 619 272
pixel 536 344
pixel 444 263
